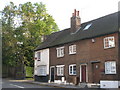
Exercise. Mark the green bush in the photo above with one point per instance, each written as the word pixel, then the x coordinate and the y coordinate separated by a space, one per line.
pixel 29 71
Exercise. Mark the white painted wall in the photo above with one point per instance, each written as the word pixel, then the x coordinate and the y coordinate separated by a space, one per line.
pixel 44 60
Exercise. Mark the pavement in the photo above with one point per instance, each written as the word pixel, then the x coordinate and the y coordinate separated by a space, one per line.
pixel 56 85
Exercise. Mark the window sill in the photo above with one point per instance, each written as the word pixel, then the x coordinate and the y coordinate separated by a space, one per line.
pixel 60 75
pixel 110 73
pixel 42 75
pixel 60 57
pixel 72 53
pixel 105 48
pixel 72 74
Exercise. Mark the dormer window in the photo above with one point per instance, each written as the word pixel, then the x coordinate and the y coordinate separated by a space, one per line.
pixel 109 42
pixel 60 52
pixel 88 26
pixel 72 49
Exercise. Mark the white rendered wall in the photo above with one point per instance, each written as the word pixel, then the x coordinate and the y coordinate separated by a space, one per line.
pixel 44 60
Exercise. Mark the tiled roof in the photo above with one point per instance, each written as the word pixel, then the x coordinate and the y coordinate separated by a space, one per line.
pixel 98 27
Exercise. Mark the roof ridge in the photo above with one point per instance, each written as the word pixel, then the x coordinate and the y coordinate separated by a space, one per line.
pixel 101 26
pixel 101 17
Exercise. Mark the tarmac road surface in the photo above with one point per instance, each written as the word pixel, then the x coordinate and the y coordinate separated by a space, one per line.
pixel 6 83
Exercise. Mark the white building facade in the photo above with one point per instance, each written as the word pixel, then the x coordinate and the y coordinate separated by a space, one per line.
pixel 41 65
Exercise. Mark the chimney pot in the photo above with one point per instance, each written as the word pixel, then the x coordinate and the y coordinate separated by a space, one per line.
pixel 77 13
pixel 75 21
pixel 74 12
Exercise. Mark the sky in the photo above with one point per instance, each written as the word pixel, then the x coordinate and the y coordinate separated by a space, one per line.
pixel 62 10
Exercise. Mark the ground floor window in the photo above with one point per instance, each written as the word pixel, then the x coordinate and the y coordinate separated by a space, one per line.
pixel 110 67
pixel 72 69
pixel 60 70
pixel 42 70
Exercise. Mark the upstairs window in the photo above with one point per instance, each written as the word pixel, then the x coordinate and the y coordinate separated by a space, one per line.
pixel 60 52
pixel 109 42
pixel 72 49
pixel 72 69
pixel 35 57
pixel 38 56
pixel 110 67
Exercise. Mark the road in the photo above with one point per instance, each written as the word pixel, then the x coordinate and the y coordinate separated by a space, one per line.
pixel 6 83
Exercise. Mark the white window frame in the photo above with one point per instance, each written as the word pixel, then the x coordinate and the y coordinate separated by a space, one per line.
pixel 72 72
pixel 42 71
pixel 35 56
pixel 60 70
pixel 72 49
pixel 39 56
pixel 60 52
pixel 110 67
pixel 111 44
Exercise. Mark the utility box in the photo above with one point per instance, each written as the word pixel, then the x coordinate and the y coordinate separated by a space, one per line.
pixel 109 84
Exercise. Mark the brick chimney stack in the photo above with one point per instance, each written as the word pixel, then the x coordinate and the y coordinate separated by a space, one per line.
pixel 75 21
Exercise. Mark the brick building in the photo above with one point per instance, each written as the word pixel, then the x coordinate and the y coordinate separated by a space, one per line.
pixel 87 52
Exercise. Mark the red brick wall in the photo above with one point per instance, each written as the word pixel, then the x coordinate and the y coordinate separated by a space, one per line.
pixel 119 57
pixel 87 51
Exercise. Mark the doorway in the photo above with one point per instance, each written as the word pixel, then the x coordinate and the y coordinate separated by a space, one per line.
pixel 96 72
pixel 52 74
pixel 83 73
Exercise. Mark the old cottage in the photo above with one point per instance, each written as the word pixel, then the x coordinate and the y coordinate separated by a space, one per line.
pixel 85 52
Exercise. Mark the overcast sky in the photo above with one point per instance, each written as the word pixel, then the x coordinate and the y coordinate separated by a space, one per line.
pixel 62 10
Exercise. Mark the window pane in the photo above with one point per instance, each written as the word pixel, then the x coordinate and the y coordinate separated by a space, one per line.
pixel 42 70
pixel 70 69
pixel 38 55
pixel 74 69
pixel 60 52
pixel 110 67
pixel 70 49
pixel 60 70
pixel 113 67
pixel 87 26
pixel 74 48
pixel 109 42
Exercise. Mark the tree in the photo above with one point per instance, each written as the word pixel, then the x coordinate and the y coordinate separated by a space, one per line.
pixel 8 42
pixel 23 26
pixel 36 22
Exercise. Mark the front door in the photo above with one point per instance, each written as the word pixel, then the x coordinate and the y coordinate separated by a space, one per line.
pixel 83 73
pixel 96 72
pixel 52 74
